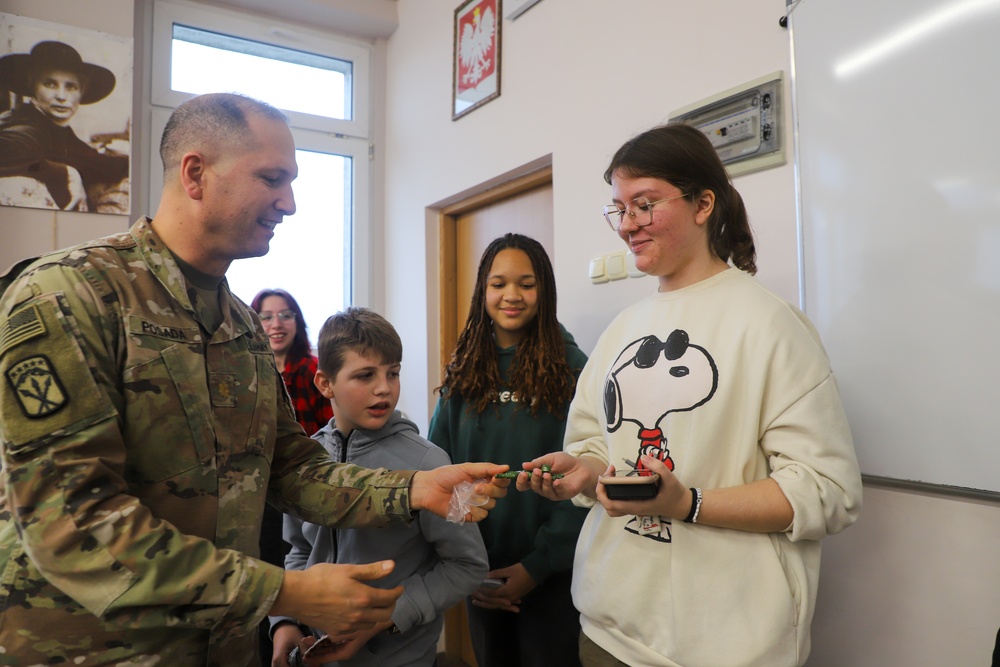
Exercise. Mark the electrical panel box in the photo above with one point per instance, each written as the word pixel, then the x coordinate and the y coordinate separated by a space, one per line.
pixel 744 124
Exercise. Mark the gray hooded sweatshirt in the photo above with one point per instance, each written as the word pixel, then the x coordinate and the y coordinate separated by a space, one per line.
pixel 438 563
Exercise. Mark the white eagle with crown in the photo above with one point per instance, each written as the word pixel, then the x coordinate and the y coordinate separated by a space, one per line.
pixel 476 46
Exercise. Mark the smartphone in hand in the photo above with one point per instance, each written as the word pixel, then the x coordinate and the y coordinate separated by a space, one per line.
pixel 322 645
pixel 631 485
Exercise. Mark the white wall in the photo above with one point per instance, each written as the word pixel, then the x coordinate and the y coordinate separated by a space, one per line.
pixel 914 582
pixel 566 93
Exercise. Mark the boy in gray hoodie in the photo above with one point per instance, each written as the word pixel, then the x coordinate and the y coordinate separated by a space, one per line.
pixel 436 562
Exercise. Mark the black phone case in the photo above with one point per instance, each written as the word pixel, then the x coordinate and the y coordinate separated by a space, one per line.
pixel 634 487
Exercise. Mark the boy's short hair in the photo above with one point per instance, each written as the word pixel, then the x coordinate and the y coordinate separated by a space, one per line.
pixel 360 330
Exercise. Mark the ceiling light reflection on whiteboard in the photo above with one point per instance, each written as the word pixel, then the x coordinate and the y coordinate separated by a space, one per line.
pixel 912 33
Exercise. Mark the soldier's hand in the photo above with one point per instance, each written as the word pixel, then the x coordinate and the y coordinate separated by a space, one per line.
pixel 335 599
pixel 431 489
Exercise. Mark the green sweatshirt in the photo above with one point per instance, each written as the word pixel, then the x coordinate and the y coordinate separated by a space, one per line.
pixel 524 527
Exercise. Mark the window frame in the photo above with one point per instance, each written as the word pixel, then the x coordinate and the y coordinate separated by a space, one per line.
pixel 348 138
pixel 166 14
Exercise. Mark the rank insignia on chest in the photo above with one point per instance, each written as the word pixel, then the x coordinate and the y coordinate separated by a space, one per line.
pixel 38 389
pixel 223 388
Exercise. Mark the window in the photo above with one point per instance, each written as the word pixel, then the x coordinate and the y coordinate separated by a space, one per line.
pixel 321 83
pixel 287 78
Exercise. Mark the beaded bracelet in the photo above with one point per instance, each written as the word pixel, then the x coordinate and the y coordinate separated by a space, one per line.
pixel 692 516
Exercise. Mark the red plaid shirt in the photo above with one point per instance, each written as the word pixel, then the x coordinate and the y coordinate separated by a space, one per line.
pixel 312 409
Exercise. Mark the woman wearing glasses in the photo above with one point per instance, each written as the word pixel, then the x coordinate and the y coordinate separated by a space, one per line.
pixel 286 331
pixel 722 395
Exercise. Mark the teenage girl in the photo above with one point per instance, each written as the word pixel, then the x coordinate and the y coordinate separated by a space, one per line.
pixel 504 398
pixel 724 392
pixel 286 331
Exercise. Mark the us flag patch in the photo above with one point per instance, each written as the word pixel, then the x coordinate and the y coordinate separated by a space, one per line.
pixel 22 325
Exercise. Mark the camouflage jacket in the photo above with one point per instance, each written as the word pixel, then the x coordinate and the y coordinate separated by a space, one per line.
pixel 137 450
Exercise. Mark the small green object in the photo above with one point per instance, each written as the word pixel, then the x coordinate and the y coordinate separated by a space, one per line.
pixel 512 474
pixel 546 468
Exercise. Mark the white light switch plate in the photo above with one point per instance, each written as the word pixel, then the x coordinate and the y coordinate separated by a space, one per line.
pixel 615 265
pixel 598 272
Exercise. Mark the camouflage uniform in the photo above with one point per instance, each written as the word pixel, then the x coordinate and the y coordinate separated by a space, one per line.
pixel 137 450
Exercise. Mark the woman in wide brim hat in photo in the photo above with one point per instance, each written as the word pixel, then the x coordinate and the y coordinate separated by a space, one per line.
pixel 19 72
pixel 35 138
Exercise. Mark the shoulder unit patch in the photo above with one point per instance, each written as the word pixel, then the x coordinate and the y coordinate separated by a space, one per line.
pixel 39 390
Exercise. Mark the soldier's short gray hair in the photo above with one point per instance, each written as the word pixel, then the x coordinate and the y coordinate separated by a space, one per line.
pixel 210 123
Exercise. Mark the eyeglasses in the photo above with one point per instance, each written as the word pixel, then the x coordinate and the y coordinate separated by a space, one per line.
pixel 284 316
pixel 639 210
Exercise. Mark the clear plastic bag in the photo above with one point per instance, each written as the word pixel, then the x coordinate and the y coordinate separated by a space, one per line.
pixel 464 498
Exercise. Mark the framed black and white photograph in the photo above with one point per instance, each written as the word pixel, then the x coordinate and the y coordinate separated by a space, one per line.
pixel 65 117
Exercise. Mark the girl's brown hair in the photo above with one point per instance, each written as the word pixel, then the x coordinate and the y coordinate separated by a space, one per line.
pixel 682 155
pixel 540 375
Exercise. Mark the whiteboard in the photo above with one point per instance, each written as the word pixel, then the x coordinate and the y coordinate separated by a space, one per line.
pixel 897 111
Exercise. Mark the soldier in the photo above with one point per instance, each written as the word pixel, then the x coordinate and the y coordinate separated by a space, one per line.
pixel 143 424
